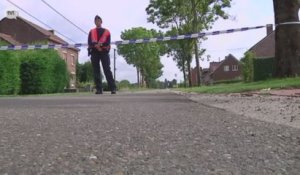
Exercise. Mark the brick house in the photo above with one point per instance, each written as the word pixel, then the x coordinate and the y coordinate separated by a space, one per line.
pixel 18 31
pixel 265 48
pixel 228 69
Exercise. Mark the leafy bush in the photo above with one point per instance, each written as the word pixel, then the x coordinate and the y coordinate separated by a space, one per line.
pixel 263 68
pixel 42 71
pixel 247 64
pixel 124 84
pixel 9 73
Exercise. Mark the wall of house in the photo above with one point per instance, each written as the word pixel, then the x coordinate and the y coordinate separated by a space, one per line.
pixel 265 48
pixel 221 74
pixel 70 56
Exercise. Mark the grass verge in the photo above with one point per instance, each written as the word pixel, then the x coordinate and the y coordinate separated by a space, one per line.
pixel 286 83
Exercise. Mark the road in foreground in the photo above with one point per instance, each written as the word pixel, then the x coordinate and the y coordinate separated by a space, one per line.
pixel 139 133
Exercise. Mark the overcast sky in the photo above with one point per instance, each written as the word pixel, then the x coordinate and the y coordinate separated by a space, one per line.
pixel 120 15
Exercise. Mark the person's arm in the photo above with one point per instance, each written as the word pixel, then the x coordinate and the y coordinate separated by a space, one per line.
pixel 90 45
pixel 105 42
pixel 89 39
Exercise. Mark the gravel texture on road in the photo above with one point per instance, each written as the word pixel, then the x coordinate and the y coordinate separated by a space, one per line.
pixel 155 132
pixel 279 108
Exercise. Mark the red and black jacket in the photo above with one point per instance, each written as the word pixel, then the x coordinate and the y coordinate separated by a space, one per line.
pixel 99 35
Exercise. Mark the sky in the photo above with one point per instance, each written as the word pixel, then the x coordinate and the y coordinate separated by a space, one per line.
pixel 120 15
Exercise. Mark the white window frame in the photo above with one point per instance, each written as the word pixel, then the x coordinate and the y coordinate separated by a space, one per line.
pixel 73 59
pixel 65 56
pixel 226 68
pixel 235 67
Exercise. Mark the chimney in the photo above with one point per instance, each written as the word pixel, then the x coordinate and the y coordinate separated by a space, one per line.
pixel 52 31
pixel 269 29
pixel 12 14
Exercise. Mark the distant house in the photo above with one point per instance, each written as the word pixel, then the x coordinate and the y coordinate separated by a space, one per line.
pixel 228 69
pixel 16 31
pixel 265 48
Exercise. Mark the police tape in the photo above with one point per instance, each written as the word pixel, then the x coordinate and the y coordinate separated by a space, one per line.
pixel 134 41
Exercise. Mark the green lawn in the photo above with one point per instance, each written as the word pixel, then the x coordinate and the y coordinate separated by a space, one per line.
pixel 285 83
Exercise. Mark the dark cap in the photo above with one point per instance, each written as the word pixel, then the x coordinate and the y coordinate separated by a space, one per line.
pixel 97 17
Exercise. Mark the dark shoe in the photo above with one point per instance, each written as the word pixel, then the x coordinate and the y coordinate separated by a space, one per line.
pixel 99 92
pixel 113 92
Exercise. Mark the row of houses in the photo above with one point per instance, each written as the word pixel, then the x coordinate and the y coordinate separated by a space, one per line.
pixel 230 68
pixel 15 30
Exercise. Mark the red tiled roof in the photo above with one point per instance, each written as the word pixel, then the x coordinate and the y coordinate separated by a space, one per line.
pixel 45 32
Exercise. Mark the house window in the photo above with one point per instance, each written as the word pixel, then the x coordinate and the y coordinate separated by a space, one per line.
pixel 65 56
pixel 226 68
pixel 235 67
pixel 73 59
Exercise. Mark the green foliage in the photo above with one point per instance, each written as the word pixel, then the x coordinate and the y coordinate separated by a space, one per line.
pixel 198 14
pixel 247 67
pixel 3 43
pixel 263 68
pixel 228 81
pixel 181 50
pixel 42 71
pixel 182 17
pixel 84 72
pixel 146 57
pixel 124 84
pixel 9 73
pixel 244 87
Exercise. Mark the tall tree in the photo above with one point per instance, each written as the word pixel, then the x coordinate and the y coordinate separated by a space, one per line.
pixel 287 37
pixel 181 53
pixel 194 15
pixel 145 57
pixel 84 72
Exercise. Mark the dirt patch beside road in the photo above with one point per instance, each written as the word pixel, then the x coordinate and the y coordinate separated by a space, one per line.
pixel 276 106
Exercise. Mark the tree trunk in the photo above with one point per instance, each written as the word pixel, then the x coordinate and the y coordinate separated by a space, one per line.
pixel 189 73
pixel 184 73
pixel 138 76
pixel 195 44
pixel 287 37
pixel 197 64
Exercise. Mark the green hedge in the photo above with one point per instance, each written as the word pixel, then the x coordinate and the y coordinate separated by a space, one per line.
pixel 9 73
pixel 42 71
pixel 247 66
pixel 263 68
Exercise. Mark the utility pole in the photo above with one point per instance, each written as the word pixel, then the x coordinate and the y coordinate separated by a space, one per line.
pixel 115 65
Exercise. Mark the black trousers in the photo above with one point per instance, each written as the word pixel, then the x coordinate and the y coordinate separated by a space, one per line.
pixel 105 61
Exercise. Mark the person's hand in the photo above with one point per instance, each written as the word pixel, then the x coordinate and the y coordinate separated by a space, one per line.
pixel 98 47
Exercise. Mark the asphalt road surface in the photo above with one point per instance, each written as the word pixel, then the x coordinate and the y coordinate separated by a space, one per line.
pixel 156 132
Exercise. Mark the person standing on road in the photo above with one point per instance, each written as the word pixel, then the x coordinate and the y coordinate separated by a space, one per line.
pixel 98 48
